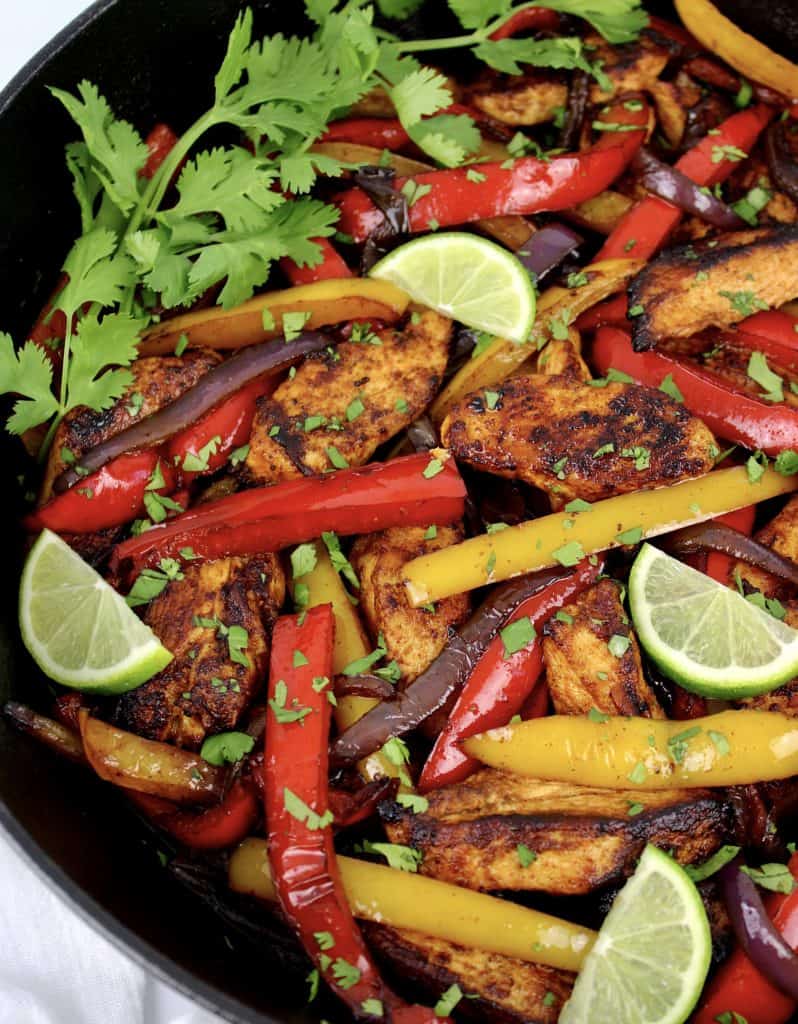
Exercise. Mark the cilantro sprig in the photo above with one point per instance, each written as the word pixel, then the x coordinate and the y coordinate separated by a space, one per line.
pixel 241 208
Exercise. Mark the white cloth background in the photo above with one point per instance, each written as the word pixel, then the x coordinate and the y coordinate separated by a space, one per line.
pixel 54 969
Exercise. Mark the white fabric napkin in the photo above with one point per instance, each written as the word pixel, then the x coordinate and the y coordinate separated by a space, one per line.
pixel 54 969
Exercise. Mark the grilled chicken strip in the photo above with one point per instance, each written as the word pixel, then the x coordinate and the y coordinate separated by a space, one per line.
pixel 581 837
pixel 562 358
pixel 157 381
pixel 714 284
pixel 536 97
pixel 216 621
pixel 347 402
pixel 587 667
pixel 500 989
pixel 414 637
pixel 577 441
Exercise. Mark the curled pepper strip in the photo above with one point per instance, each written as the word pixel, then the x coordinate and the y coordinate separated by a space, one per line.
pixel 647 225
pixel 522 186
pixel 216 828
pixel 719 565
pixel 110 497
pixel 729 413
pixel 500 683
pixel 410 491
pixel 300 837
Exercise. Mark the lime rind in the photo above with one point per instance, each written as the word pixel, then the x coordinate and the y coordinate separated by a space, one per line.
pixel 467 278
pixel 706 636
pixel 652 955
pixel 78 629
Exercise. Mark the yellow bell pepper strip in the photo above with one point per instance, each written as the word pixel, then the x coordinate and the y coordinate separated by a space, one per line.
pixel 733 748
pixel 745 53
pixel 148 766
pixel 623 519
pixel 557 309
pixel 324 586
pixel 261 318
pixel 401 899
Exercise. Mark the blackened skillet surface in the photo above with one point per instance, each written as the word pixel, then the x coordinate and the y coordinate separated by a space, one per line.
pixel 154 60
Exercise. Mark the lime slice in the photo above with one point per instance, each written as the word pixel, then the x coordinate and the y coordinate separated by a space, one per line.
pixel 706 636
pixel 467 278
pixel 77 628
pixel 652 954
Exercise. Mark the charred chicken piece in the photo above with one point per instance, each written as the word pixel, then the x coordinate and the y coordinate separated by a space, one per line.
pixel 502 831
pixel 414 637
pixel 713 284
pixel 345 403
pixel 216 621
pixel 587 667
pixel 577 441
pixel 500 989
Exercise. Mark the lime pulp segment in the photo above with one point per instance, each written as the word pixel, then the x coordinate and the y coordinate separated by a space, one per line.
pixel 651 957
pixel 467 278
pixel 704 635
pixel 78 629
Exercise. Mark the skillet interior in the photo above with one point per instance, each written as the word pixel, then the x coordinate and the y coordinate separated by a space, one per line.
pixel 154 60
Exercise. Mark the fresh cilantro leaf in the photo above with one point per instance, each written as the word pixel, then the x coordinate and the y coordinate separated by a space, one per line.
pixel 510 55
pixel 419 94
pixel 303 560
pixel 29 373
pixel 398 8
pixel 619 21
pixel 298 809
pixel 403 858
pixel 226 747
pixel 786 462
pixel 775 877
pixel 448 1001
pixel 569 554
pixel 770 382
pixel 340 562
pixel 517 635
pixel 475 14
pixel 116 149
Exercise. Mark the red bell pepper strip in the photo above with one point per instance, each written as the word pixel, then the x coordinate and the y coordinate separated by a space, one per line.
pixel 522 186
pixel 379 132
pixel 224 428
pixel 110 497
pixel 216 828
pixel 536 19
pixel 645 227
pixel 160 143
pixel 612 312
pixel 332 266
pixel 410 491
pixel 498 686
pixel 730 414
pixel 773 325
pixel 740 988
pixel 301 851
pixel 719 565
pixel 678 33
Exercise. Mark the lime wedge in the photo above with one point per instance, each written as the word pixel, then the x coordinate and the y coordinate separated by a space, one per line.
pixel 652 955
pixel 467 278
pixel 705 636
pixel 77 628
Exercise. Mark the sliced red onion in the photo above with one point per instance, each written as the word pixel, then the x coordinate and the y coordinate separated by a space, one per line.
pixel 219 383
pixel 578 96
pixel 363 686
pixel 719 537
pixel 548 247
pixel 666 182
pixel 755 932
pixel 428 693
pixel 378 184
pixel 421 434
pixel 781 163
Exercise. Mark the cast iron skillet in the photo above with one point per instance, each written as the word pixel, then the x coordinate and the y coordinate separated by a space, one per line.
pixel 154 60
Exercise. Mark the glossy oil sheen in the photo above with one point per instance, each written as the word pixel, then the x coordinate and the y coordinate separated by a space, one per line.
pixel 154 60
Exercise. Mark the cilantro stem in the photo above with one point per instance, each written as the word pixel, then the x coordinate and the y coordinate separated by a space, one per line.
pixel 453 42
